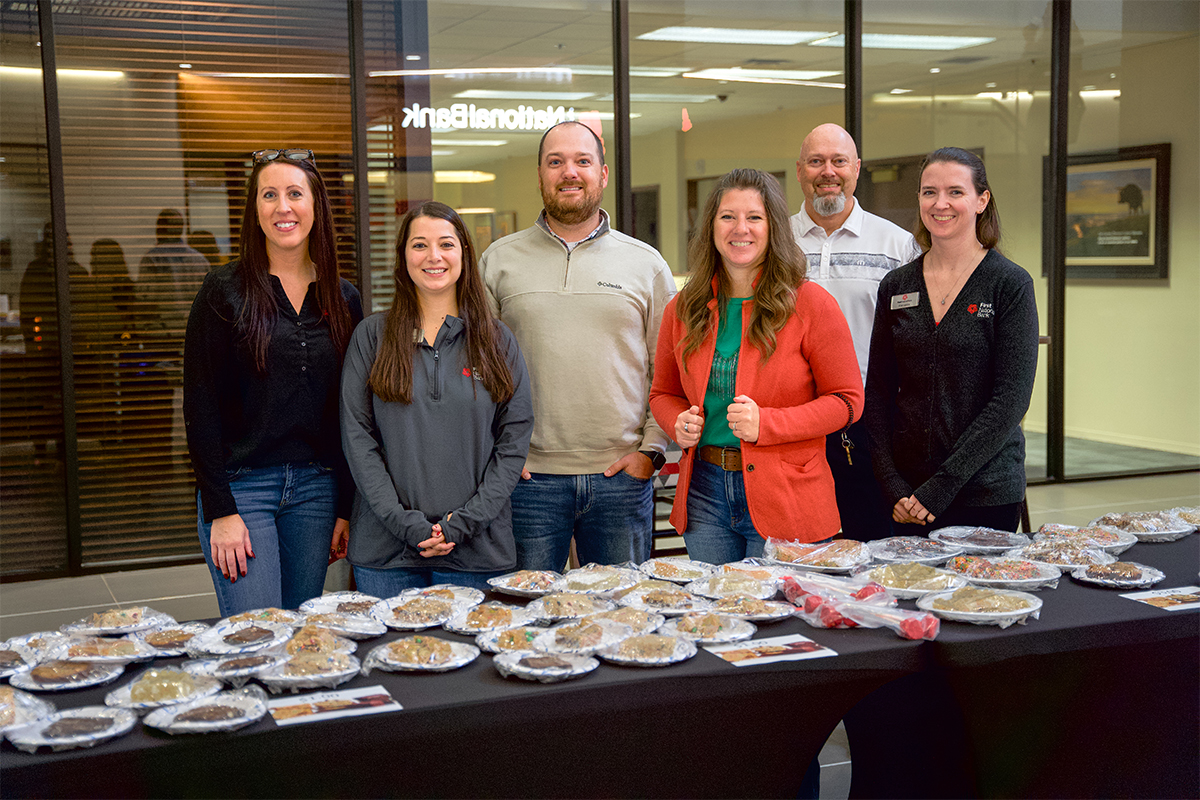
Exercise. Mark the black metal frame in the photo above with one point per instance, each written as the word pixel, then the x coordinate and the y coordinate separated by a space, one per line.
pixel 1055 198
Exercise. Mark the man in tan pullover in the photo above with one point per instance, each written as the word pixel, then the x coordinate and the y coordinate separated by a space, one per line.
pixel 585 303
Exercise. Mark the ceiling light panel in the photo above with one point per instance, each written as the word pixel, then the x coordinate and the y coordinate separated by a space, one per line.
pixel 731 36
pixel 899 41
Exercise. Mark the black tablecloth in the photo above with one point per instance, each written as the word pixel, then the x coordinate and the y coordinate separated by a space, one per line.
pixel 1028 710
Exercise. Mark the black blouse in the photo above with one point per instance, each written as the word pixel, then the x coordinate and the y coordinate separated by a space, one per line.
pixel 238 417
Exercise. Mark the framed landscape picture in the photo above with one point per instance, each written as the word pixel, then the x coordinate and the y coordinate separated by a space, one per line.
pixel 1118 207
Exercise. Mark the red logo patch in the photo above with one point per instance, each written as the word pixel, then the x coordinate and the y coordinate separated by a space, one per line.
pixel 971 309
pixel 467 371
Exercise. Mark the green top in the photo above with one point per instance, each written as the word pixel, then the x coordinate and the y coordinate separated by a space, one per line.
pixel 722 381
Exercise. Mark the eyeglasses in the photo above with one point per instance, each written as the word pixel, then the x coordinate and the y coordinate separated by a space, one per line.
pixel 266 156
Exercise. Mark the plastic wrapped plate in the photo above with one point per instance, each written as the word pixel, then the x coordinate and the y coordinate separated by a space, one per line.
pixel 226 711
pixel 598 579
pixel 282 616
pixel 753 609
pixel 1030 608
pixel 14 658
pixel 581 637
pixel 334 670
pixel 78 727
pixel 19 708
pixel 236 670
pixel 488 617
pixel 238 638
pixel 71 675
pixel 637 619
pixel 649 650
pixel 1148 526
pixel 122 696
pixel 668 602
pixel 428 654
pixel 676 569
pixel 118 621
pixel 103 650
pixel 340 603
pixel 511 640
pixel 708 628
pixel 840 555
pixel 525 582
pixel 727 584
pixel 1005 572
pixel 1120 575
pixel 448 591
pixel 1110 540
pixel 410 612
pixel 979 540
pixel 172 640
pixel 41 643
pixel 544 668
pixel 348 626
pixel 916 549
pixel 1062 554
pixel 566 605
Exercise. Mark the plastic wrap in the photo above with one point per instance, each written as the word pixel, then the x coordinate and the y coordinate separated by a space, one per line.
pixel 49 731
pixel 599 579
pixel 238 638
pixel 752 608
pixel 666 601
pixel 348 626
pixel 727 584
pixel 817 598
pixel 166 686
pixel 908 581
pixel 19 708
pixel 1119 575
pixel 1063 554
pixel 582 637
pixel 1188 515
pixel 709 628
pixel 103 650
pixel 546 668
pixel 119 621
pixel 976 597
pixel 172 640
pixel 1110 540
pixel 420 653
pixel 512 640
pixel 488 617
pixel 526 582
pixel 1147 526
pixel 310 671
pixel 975 540
pixel 282 616
pixel 649 650
pixel 913 549
pixel 16 657
pixel 59 676
pixel 906 624
pixel 41 643
pixel 637 619
pixel 314 639
pixel 840 555
pixel 677 569
pixel 226 711
pixel 413 612
pixel 356 603
pixel 237 670
pixel 567 605
pixel 1005 572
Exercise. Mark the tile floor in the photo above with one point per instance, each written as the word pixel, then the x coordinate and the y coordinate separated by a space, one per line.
pixel 185 592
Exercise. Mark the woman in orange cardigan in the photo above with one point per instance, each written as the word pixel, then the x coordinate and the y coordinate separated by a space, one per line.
pixel 754 368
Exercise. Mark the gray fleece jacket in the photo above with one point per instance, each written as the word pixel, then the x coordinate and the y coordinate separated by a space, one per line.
pixel 451 456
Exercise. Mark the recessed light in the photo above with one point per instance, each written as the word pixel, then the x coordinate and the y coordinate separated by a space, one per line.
pixel 496 94
pixel 900 91
pixel 745 75
pixel 412 58
pixel 682 33
pixel 469 142
pixel 934 71
pixel 185 66
pixel 462 176
pixel 901 41
pixel 649 97
pixel 991 84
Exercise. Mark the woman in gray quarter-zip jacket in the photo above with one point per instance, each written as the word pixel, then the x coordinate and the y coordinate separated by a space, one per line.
pixel 436 417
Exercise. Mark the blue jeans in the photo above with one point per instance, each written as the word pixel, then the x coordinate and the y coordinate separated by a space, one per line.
pixel 719 529
pixel 391 582
pixel 612 519
pixel 290 511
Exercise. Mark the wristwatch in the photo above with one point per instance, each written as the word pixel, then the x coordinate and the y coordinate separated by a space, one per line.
pixel 657 459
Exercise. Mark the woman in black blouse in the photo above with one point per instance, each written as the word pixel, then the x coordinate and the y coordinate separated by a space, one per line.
pixel 262 359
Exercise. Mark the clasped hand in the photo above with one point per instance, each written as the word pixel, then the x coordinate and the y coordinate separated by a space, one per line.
pixel 436 545
pixel 909 510
pixel 741 415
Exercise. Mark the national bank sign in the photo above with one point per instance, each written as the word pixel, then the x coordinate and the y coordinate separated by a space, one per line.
pixel 466 116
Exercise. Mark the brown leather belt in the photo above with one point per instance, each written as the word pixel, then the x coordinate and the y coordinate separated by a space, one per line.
pixel 727 458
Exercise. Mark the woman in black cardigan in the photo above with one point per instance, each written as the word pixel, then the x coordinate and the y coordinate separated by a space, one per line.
pixel 953 357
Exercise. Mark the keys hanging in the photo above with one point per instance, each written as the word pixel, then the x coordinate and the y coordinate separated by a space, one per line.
pixel 847 445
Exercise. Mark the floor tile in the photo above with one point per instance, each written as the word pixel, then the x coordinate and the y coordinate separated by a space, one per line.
pixel 19 624
pixel 23 596
pixel 132 586
pixel 185 609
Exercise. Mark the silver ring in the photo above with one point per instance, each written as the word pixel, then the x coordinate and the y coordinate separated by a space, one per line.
pixel 735 426
pixel 685 427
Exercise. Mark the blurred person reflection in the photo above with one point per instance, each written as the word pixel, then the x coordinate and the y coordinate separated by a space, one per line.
pixel 204 243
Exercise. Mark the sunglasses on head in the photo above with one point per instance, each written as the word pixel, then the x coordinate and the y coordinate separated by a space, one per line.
pixel 266 156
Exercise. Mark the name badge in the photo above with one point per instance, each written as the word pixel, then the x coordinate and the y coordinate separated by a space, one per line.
pixel 905 300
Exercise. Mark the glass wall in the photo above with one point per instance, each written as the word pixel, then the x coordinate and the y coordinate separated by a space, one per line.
pixel 970 75
pixel 459 95
pixel 711 90
pixel 1132 361
pixel 33 469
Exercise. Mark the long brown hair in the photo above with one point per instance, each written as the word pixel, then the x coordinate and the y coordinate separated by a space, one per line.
pixel 783 270
pixel 391 374
pixel 260 309
pixel 987 222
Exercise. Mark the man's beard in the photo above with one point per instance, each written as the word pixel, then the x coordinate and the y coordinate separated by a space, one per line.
pixel 571 214
pixel 830 204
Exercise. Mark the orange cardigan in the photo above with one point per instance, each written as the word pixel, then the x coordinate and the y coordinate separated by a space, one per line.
pixel 789 487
